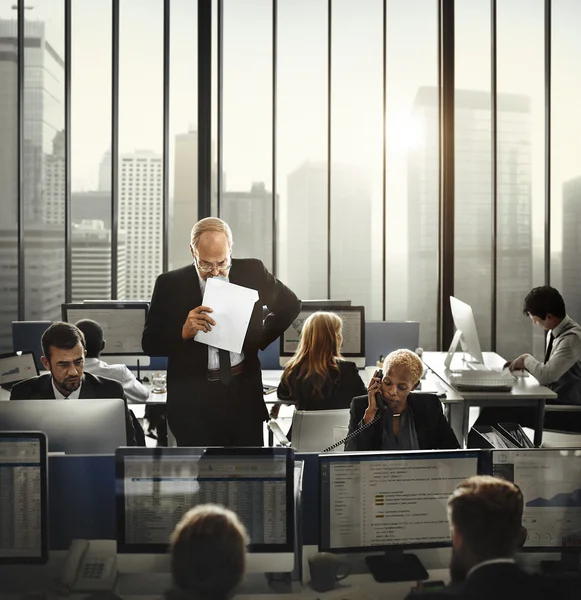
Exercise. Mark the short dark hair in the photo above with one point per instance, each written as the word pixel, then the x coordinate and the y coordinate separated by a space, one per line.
pixel 543 300
pixel 487 513
pixel 93 333
pixel 208 553
pixel 61 335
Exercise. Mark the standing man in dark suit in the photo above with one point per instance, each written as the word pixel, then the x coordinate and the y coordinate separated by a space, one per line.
pixel 214 397
pixel 485 515
pixel 63 346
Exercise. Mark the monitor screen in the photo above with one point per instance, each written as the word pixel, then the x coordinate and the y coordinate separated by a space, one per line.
pixel 122 323
pixel 23 498
pixel 465 323
pixel 17 367
pixel 157 486
pixel 353 318
pixel 384 500
pixel 550 480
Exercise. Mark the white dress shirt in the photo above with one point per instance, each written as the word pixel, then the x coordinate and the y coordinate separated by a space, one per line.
pixel 134 390
pixel 565 353
pixel 213 357
pixel 72 396
pixel 493 561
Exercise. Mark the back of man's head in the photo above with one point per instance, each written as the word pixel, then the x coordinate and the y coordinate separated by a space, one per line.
pixel 61 335
pixel 544 300
pixel 486 518
pixel 93 333
pixel 208 549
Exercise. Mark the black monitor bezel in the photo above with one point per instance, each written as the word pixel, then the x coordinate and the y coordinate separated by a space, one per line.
pixel 333 309
pixel 123 547
pixel 88 306
pixel 538 549
pixel 480 467
pixel 44 515
pixel 22 353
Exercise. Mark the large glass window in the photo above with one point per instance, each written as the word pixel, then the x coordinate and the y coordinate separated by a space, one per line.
pixel 520 163
pixel 91 153
pixel 412 165
pixel 302 147
pixel 473 152
pixel 246 202
pixel 8 172
pixel 565 153
pixel 43 189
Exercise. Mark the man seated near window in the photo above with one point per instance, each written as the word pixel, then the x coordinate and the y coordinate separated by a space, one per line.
pixel 63 347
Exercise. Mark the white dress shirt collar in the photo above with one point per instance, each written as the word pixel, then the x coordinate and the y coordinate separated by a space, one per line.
pixel 559 329
pixel 72 396
pixel 494 561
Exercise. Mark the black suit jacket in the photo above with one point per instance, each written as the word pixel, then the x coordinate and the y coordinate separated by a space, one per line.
pixel 40 388
pixel 505 581
pixel 432 428
pixel 175 294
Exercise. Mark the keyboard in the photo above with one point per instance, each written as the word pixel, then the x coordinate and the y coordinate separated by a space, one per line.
pixel 481 381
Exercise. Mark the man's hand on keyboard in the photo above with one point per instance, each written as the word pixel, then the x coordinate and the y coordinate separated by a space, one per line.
pixel 518 364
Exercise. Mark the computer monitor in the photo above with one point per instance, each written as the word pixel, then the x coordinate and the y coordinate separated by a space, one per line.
pixel 72 426
pixel 26 335
pixel 390 501
pixel 353 347
pixel 23 497
pixel 157 486
pixel 16 367
pixel 466 334
pixel 122 324
pixel 550 481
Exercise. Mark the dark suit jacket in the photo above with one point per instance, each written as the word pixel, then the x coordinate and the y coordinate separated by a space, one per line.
pixel 40 388
pixel 175 294
pixel 338 391
pixel 432 428
pixel 505 581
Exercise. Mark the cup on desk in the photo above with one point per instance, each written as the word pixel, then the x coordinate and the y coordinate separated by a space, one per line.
pixel 159 382
pixel 326 570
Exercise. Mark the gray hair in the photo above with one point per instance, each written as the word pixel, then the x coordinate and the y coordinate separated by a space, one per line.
pixel 211 224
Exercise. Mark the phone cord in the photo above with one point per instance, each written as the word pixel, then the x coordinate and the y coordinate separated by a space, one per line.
pixel 355 433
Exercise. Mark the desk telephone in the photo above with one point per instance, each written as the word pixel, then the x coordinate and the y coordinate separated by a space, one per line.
pixel 90 566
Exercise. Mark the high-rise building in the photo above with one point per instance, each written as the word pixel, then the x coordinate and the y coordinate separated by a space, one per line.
pixel 91 206
pixel 572 247
pixel 53 207
pixel 249 215
pixel 472 215
pixel 140 215
pixel 91 262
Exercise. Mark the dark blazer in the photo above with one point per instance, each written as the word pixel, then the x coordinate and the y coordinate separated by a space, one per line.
pixel 338 391
pixel 175 294
pixel 40 388
pixel 432 428
pixel 505 581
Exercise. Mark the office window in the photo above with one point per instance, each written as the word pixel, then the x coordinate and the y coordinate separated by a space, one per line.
pixel 246 203
pixel 356 154
pixel 9 176
pixel 43 148
pixel 566 150
pixel 473 163
pixel 412 165
pixel 521 153
pixel 91 148
pixel 302 147
pixel 140 123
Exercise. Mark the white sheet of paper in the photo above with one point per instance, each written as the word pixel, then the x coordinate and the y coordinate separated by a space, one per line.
pixel 232 308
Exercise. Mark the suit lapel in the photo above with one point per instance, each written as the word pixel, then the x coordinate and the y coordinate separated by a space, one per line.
pixel 46 387
pixel 87 387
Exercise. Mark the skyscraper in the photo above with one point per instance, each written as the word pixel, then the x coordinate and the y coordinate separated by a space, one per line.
pixel 53 207
pixel 472 215
pixel 572 247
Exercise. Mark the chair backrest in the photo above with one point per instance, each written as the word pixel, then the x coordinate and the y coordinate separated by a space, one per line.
pixel 315 430
pixel 383 337
pixel 270 357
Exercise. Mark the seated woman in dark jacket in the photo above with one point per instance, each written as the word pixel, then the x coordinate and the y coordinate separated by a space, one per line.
pixel 404 421
pixel 317 377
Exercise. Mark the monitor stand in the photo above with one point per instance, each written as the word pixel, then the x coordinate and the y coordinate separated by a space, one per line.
pixel 396 566
pixel 570 563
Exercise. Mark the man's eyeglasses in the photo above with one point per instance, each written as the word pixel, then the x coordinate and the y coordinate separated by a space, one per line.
pixel 207 267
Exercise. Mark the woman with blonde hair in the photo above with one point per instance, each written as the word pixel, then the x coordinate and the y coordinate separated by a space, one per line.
pixel 317 377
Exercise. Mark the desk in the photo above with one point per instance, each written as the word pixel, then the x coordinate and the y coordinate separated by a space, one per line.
pixel 526 392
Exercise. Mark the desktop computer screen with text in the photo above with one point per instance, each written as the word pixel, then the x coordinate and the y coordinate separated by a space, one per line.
pixel 22 498
pixel 389 500
pixel 550 481
pixel 160 486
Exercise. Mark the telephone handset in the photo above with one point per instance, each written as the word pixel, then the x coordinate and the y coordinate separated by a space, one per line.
pixel 90 566
pixel 381 406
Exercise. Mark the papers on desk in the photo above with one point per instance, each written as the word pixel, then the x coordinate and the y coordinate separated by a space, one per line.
pixel 232 307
